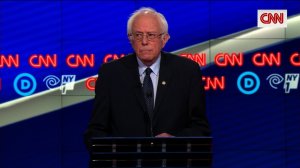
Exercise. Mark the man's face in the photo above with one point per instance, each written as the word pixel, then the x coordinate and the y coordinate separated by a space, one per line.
pixel 148 50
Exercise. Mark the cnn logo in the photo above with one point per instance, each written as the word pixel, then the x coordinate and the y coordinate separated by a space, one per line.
pixel 272 18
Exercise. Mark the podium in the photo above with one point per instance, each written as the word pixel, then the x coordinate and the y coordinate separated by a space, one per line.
pixel 151 152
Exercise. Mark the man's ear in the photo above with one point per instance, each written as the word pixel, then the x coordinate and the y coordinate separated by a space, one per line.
pixel 165 39
pixel 129 38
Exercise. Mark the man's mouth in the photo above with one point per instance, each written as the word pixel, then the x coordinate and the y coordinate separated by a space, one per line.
pixel 145 50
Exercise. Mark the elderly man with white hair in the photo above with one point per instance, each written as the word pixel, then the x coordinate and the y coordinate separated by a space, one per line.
pixel 150 93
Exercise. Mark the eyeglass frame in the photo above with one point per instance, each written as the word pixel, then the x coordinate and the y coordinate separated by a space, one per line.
pixel 134 36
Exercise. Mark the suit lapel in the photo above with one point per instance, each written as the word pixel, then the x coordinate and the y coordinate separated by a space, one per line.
pixel 165 74
pixel 132 65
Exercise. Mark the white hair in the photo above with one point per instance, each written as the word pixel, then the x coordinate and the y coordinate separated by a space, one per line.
pixel 145 10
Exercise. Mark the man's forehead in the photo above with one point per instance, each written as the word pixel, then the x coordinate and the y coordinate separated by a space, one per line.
pixel 146 22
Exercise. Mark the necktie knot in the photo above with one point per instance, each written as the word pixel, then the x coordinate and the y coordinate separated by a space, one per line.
pixel 148 71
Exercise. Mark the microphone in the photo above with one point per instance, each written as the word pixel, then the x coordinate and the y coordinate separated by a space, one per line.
pixel 139 85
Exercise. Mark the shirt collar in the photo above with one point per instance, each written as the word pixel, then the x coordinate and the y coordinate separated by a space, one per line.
pixel 154 67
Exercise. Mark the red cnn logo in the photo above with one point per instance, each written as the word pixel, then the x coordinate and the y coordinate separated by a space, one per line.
pixel 272 18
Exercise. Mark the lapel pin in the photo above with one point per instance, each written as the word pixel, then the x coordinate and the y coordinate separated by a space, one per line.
pixel 163 82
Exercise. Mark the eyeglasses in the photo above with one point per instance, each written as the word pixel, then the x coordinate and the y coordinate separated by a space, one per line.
pixel 150 36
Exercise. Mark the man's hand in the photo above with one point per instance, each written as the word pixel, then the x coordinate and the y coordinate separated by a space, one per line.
pixel 164 135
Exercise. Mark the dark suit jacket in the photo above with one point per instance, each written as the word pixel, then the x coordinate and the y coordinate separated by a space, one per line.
pixel 120 108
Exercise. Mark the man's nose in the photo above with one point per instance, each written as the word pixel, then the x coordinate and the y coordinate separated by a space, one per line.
pixel 145 40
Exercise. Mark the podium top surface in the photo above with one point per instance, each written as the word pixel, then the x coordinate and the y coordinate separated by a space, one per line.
pixel 150 138
pixel 133 140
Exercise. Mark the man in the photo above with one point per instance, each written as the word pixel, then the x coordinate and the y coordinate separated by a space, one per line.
pixel 150 92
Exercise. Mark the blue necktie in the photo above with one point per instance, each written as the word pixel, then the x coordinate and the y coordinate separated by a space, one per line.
pixel 148 92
